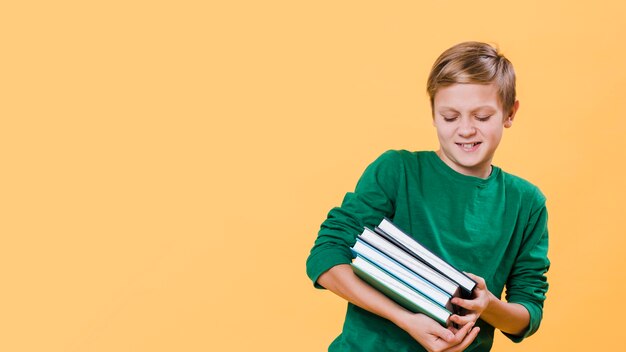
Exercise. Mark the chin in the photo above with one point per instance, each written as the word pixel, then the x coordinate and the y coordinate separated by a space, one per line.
pixel 469 162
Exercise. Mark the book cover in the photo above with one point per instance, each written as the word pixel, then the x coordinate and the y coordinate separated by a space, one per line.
pixel 407 260
pixel 394 234
pixel 403 274
pixel 399 291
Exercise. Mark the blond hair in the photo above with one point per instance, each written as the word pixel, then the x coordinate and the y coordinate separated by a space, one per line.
pixel 473 62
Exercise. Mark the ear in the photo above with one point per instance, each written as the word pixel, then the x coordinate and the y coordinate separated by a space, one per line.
pixel 508 121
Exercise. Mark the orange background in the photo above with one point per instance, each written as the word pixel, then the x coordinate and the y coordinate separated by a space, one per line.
pixel 166 165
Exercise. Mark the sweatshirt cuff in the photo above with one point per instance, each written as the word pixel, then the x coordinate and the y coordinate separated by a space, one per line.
pixel 535 314
pixel 320 262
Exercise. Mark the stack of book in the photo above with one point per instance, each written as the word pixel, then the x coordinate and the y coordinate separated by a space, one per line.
pixel 405 271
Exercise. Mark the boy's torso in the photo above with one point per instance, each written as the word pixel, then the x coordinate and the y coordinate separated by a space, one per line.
pixel 476 225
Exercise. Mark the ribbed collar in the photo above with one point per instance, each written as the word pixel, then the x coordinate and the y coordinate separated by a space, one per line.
pixel 443 168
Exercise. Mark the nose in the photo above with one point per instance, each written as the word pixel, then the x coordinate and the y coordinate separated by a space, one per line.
pixel 466 127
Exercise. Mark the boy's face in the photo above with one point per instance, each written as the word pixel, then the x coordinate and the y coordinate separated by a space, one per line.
pixel 470 121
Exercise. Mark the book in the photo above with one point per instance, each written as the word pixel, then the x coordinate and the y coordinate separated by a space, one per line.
pixel 410 262
pixel 395 235
pixel 403 274
pixel 399 291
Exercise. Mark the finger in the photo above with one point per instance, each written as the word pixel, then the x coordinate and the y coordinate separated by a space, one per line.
pixel 443 333
pixel 463 319
pixel 459 336
pixel 461 333
pixel 450 336
pixel 469 338
pixel 464 303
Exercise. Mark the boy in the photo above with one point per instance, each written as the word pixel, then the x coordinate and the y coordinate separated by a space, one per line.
pixel 482 220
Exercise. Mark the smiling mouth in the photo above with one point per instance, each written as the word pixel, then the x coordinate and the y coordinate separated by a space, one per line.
pixel 469 146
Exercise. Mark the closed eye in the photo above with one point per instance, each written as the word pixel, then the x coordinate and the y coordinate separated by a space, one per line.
pixel 483 118
pixel 449 118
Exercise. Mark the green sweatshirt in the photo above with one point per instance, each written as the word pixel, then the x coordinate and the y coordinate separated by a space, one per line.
pixel 495 228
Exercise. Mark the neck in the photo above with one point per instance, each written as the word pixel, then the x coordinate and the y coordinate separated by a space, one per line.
pixel 477 171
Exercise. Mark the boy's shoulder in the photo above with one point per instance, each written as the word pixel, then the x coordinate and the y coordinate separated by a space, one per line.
pixel 403 155
pixel 395 160
pixel 526 189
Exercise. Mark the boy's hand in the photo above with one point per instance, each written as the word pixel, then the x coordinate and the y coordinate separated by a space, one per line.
pixel 434 337
pixel 476 306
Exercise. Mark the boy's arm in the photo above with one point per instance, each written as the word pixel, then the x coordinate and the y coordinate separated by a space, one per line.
pixel 328 263
pixel 510 318
pixel 341 280
pixel 527 284
pixel 521 314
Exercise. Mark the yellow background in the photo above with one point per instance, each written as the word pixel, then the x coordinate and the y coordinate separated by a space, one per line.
pixel 166 164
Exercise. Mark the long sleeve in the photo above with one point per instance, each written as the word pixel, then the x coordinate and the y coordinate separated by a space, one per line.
pixel 495 227
pixel 527 284
pixel 372 199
